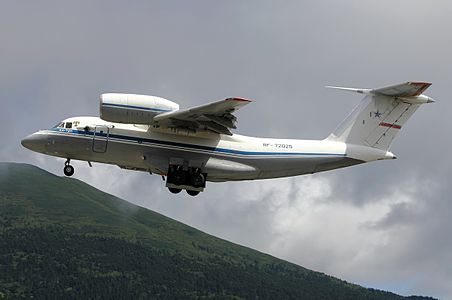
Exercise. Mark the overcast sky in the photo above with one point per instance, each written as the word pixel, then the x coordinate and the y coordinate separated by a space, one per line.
pixel 383 225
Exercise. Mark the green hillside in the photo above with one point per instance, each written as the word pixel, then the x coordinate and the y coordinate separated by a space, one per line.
pixel 61 238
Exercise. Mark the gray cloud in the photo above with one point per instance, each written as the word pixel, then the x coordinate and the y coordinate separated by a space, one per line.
pixel 383 224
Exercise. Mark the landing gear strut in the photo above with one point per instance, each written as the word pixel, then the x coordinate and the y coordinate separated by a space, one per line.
pixel 179 176
pixel 68 169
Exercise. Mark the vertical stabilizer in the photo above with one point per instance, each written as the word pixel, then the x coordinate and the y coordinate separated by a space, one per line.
pixel 380 116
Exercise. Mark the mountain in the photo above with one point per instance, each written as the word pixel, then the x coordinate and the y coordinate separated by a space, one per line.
pixel 61 238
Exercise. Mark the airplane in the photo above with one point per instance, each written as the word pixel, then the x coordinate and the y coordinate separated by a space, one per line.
pixel 195 145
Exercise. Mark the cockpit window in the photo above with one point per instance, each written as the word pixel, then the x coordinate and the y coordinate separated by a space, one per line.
pixel 59 125
pixel 68 124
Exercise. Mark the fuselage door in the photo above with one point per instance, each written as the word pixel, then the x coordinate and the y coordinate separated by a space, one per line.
pixel 100 138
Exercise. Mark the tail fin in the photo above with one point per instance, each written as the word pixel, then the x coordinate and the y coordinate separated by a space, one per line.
pixel 376 121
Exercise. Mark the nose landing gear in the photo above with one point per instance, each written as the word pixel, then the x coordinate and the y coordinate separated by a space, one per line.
pixel 68 169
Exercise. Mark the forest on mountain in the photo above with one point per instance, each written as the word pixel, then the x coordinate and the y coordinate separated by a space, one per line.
pixel 61 238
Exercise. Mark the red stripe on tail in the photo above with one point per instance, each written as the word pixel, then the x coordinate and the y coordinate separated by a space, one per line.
pixel 390 125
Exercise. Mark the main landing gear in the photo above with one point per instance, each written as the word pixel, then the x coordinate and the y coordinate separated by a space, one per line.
pixel 177 191
pixel 189 178
pixel 68 169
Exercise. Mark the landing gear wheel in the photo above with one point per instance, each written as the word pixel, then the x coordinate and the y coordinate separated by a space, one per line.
pixel 68 170
pixel 174 190
pixel 197 180
pixel 192 193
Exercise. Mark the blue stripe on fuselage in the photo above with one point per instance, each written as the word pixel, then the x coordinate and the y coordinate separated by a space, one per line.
pixel 193 146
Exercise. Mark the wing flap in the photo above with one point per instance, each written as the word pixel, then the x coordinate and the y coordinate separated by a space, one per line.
pixel 225 121
pixel 212 126
pixel 215 117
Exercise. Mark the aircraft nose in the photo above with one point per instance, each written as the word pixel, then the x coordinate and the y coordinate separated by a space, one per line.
pixel 34 142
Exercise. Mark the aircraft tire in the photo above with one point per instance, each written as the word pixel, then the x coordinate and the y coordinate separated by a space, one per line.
pixel 68 170
pixel 192 193
pixel 197 180
pixel 174 190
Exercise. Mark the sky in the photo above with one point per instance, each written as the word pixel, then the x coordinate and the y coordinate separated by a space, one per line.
pixel 384 225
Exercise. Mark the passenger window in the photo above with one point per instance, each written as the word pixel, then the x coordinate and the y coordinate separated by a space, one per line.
pixel 69 125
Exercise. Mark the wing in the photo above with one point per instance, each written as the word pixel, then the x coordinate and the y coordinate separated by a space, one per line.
pixel 215 117
pixel 407 89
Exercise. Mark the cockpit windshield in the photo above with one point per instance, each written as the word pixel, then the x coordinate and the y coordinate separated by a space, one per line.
pixel 59 125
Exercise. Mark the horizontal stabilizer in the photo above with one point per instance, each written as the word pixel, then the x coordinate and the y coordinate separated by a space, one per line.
pixel 407 89
pixel 359 91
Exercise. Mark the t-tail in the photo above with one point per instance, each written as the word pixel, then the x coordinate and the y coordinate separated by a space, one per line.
pixel 377 120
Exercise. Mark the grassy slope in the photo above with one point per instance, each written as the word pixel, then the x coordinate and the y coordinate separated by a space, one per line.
pixel 60 237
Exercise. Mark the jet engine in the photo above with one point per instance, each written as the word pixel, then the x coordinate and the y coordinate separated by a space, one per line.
pixel 133 109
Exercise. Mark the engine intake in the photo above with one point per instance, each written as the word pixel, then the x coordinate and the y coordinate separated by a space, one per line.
pixel 132 108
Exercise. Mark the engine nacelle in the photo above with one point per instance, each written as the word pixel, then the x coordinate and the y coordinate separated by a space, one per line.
pixel 133 109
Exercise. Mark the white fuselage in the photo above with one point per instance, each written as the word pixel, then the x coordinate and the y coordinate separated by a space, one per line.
pixel 221 157
pixel 194 145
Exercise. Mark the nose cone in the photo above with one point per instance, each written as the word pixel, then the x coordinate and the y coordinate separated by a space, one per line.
pixel 34 142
